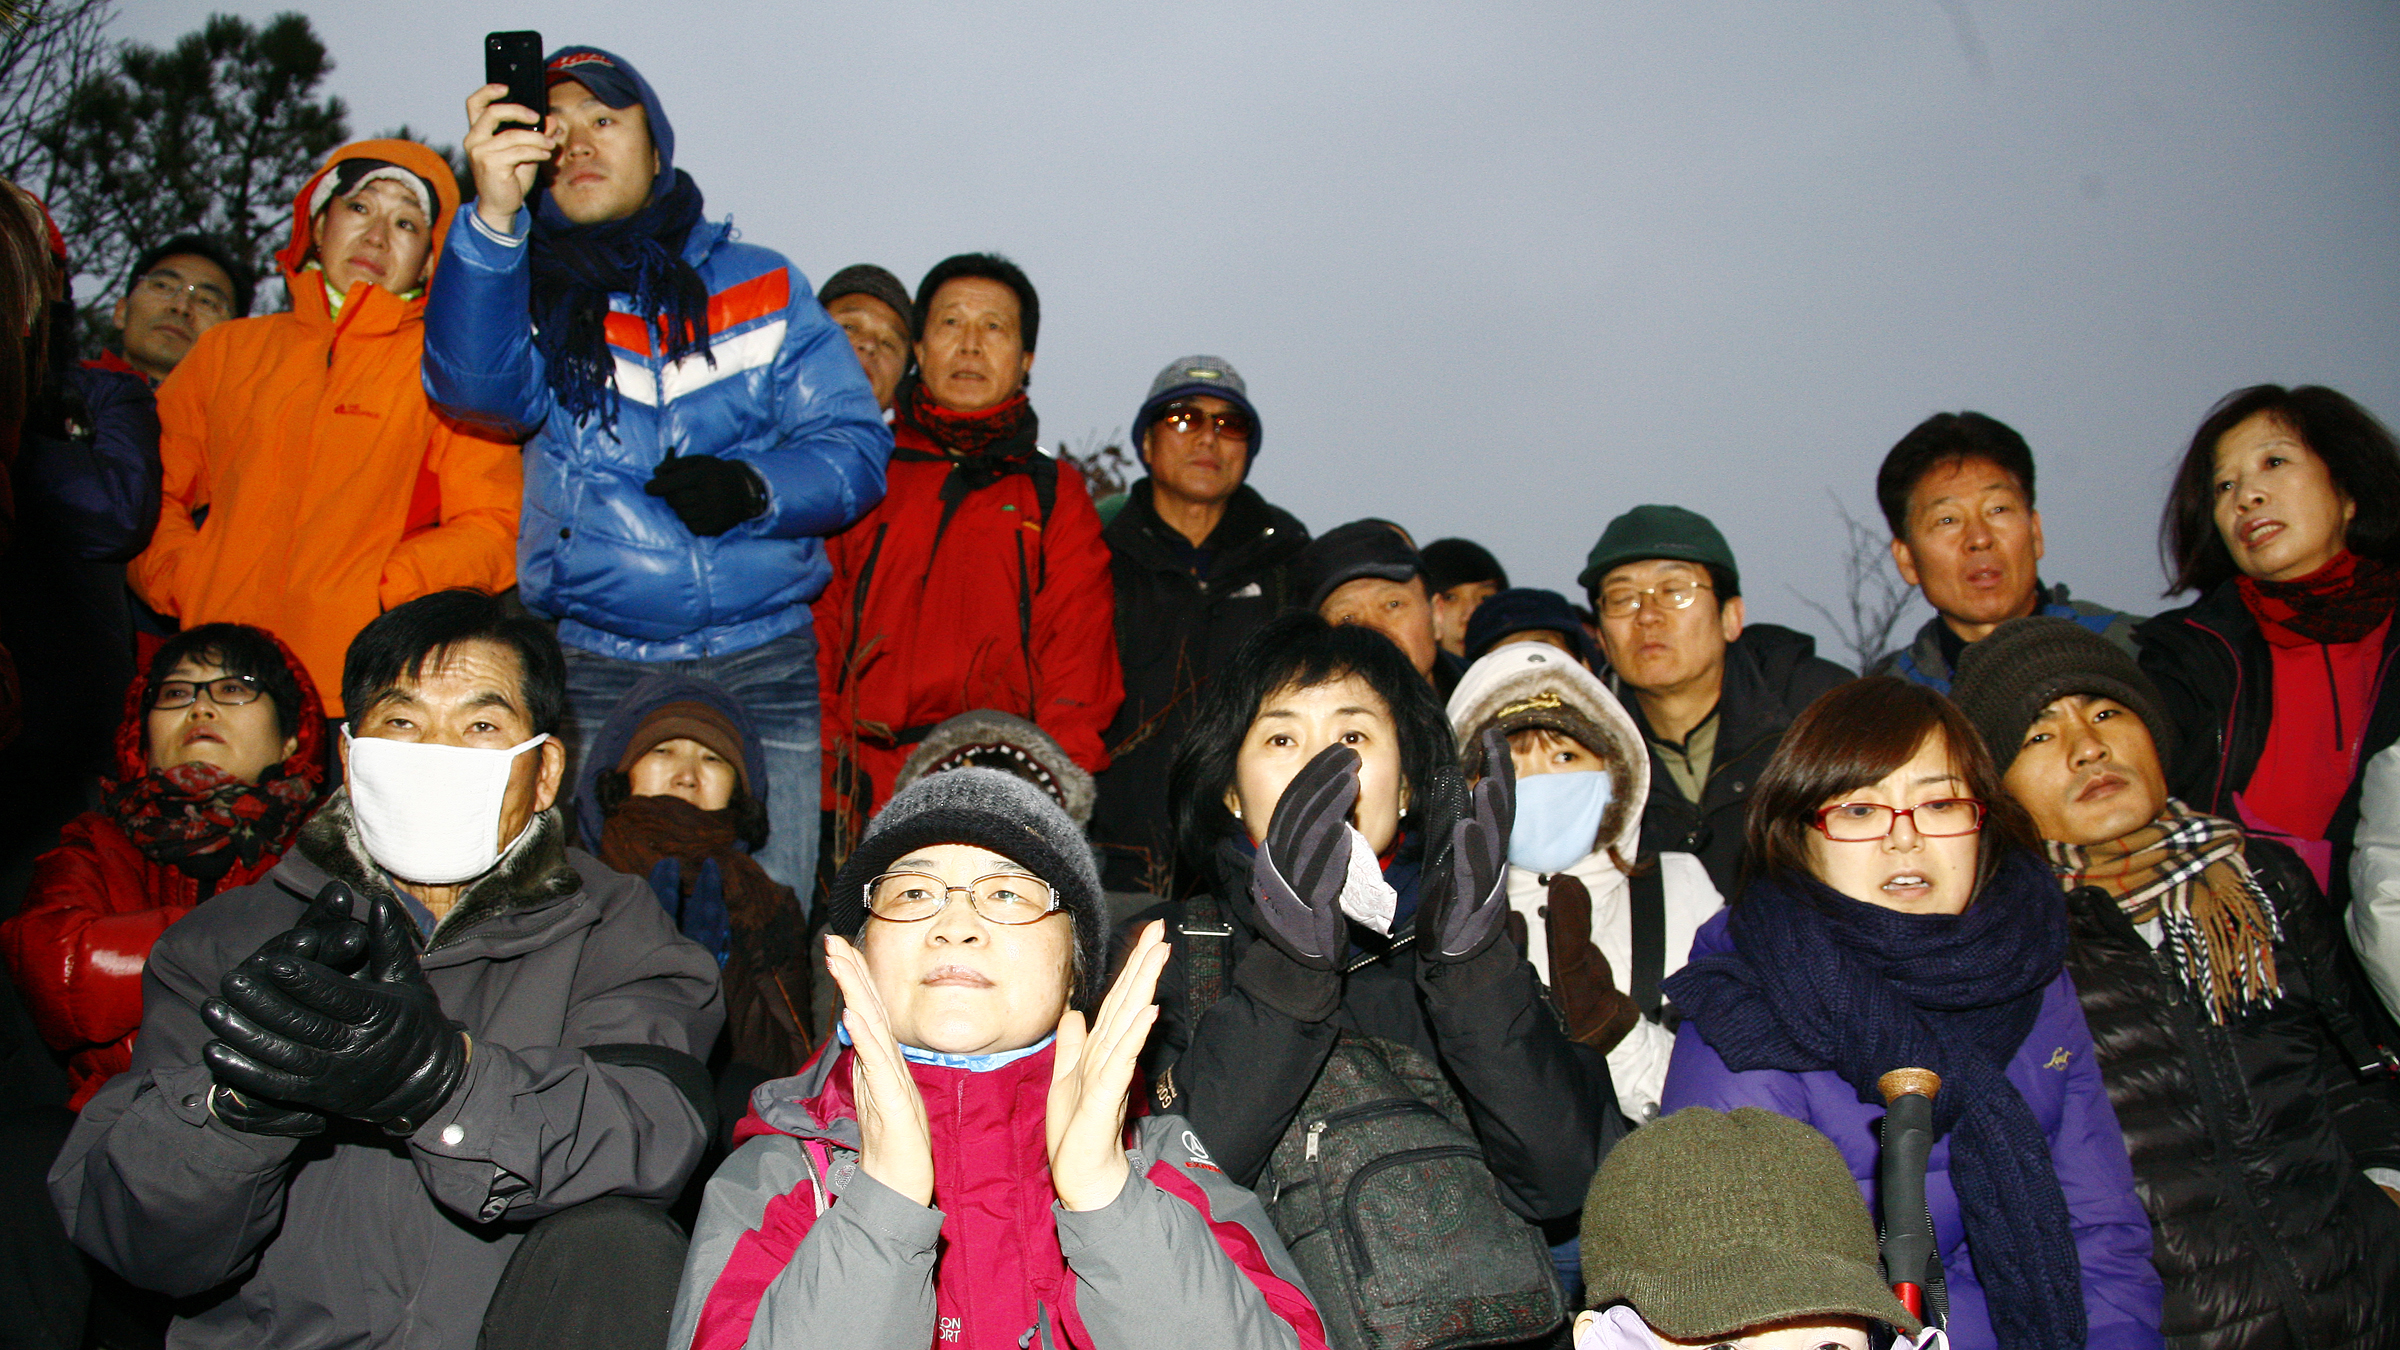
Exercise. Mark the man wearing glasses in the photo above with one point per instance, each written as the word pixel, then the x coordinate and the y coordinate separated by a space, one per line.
pixel 1200 561
pixel 1711 694
pixel 180 289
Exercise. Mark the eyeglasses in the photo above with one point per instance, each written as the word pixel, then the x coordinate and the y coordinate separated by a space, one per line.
pixel 1864 822
pixel 225 691
pixel 206 301
pixel 1002 897
pixel 1187 418
pixel 1673 595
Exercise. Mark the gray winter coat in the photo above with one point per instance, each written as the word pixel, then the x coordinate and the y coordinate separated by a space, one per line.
pixel 556 965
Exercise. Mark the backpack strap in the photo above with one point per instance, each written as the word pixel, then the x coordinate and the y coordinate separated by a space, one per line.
pixel 1649 938
pixel 1206 936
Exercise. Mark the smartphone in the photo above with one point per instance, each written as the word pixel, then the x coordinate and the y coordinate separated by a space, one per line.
pixel 515 59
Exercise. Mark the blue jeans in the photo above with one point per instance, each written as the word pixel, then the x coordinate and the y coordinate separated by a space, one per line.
pixel 777 683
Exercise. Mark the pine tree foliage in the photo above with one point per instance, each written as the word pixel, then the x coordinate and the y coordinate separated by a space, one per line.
pixel 217 134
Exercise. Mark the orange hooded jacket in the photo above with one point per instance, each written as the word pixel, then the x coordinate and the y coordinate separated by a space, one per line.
pixel 308 485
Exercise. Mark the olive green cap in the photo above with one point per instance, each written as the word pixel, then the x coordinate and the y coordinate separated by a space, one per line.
pixel 1709 1222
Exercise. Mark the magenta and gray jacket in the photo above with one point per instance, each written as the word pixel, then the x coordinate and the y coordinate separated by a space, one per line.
pixel 2056 1073
pixel 795 1245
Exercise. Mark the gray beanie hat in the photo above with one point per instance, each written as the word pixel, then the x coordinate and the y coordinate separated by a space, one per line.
pixel 2024 665
pixel 876 284
pixel 989 809
pixel 1710 1222
pixel 1184 377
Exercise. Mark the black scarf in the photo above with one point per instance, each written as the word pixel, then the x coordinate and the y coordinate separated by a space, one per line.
pixel 1818 980
pixel 577 267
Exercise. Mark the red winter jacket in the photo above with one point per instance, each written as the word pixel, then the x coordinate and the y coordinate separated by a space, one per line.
pixel 794 1243
pixel 97 904
pixel 997 609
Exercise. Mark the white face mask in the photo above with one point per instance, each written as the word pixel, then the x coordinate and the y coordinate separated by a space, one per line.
pixel 430 813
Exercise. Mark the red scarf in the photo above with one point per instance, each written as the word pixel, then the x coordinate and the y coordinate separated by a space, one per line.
pixel 2342 601
pixel 968 435
pixel 190 811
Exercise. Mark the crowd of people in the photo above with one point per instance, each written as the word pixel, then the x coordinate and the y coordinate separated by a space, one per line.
pixel 572 789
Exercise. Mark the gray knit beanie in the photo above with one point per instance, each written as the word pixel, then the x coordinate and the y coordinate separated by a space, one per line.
pixel 989 809
pixel 2024 665
pixel 1710 1222
pixel 876 284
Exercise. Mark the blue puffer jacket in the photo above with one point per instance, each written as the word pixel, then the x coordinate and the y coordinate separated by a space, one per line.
pixel 616 566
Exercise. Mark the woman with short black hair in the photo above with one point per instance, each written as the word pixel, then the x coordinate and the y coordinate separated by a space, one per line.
pixel 220 758
pixel 1351 887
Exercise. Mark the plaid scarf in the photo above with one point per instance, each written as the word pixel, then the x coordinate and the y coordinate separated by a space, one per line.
pixel 2186 870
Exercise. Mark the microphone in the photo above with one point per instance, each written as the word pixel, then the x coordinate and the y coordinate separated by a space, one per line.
pixel 1908 1245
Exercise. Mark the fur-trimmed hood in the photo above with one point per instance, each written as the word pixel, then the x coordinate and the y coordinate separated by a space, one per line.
pixel 1533 684
pixel 992 739
pixel 533 873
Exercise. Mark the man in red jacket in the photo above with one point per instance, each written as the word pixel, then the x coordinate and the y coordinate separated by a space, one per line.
pixel 981 581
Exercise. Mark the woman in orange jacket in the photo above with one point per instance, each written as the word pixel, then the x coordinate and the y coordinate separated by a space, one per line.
pixel 308 485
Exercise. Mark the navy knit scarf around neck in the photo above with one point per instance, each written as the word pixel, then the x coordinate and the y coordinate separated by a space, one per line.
pixel 577 267
pixel 1818 980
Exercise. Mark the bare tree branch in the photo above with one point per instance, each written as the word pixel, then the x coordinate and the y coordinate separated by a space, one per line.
pixel 1108 468
pixel 1874 596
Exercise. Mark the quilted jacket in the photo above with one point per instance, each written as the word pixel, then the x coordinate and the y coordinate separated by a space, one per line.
pixel 779 390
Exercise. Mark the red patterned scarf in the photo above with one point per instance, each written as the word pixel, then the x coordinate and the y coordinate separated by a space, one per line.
pixel 2342 601
pixel 191 811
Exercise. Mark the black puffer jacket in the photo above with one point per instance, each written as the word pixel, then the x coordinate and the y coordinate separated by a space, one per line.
pixel 2248 1141
pixel 1175 629
pixel 2216 675
pixel 1541 1106
pixel 1771 673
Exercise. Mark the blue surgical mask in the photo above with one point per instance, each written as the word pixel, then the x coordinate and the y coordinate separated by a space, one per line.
pixel 1558 818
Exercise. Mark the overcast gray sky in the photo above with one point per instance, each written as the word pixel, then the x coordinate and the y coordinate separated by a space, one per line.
pixel 1504 270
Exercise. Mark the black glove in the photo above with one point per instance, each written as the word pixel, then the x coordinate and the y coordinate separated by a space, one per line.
pixel 326 934
pixel 1298 874
pixel 1464 904
pixel 711 494
pixel 373 1046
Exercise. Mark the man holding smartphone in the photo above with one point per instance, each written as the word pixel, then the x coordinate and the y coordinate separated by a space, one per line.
pixel 697 424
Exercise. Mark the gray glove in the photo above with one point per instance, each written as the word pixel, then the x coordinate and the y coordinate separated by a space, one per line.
pixel 1301 865
pixel 1464 902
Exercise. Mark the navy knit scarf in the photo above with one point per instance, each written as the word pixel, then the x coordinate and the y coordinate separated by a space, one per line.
pixel 1818 980
pixel 577 267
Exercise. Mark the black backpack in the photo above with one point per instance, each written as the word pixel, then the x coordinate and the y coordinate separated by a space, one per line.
pixel 1380 1191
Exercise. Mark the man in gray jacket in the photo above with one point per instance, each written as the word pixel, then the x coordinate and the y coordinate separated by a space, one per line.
pixel 349 1102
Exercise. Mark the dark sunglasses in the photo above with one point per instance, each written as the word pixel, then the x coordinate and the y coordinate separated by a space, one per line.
pixel 1186 418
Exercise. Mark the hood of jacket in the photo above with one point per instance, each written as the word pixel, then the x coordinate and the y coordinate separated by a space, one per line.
pixel 648 695
pixel 1533 684
pixel 307 759
pixel 417 159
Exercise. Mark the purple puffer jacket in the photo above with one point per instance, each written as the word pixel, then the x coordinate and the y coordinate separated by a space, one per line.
pixel 2060 1080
